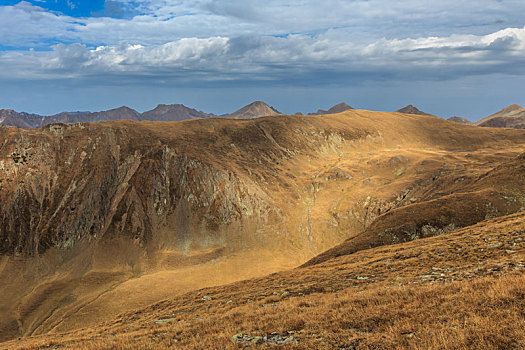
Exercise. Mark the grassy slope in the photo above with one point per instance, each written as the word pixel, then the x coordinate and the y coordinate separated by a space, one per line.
pixel 462 290
pixel 498 192
pixel 400 153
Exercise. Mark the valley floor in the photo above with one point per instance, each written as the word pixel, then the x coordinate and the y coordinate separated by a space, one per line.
pixel 462 290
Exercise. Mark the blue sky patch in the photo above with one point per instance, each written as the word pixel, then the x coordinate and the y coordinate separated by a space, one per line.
pixel 446 57
pixel 82 8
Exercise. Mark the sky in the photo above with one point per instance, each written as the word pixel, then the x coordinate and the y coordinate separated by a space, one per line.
pixel 447 57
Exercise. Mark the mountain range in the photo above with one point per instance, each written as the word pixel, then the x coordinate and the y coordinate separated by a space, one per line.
pixel 163 112
pixel 110 230
pixel 509 117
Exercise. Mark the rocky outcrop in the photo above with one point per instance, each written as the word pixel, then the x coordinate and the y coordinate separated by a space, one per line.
pixel 70 183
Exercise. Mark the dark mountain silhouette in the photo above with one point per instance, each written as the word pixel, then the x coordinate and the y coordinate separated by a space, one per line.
pixel 175 112
pixel 410 109
pixel 253 110
pixel 341 107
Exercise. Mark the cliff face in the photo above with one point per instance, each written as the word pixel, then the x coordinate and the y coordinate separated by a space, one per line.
pixel 70 183
pixel 157 187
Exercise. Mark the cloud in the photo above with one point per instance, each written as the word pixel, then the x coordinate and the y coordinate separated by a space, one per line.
pixel 281 60
pixel 155 22
pixel 292 42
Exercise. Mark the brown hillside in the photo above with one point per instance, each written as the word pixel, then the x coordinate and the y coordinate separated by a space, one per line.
pixel 461 290
pixel 497 193
pixel 102 218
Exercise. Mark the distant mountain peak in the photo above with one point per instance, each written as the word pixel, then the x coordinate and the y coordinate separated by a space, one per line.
pixel 411 109
pixel 9 117
pixel 122 108
pixel 173 112
pixel 513 107
pixel 512 116
pixel 254 110
pixel 338 108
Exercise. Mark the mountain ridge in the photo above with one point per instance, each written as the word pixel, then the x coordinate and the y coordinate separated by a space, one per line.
pixel 94 214
pixel 162 112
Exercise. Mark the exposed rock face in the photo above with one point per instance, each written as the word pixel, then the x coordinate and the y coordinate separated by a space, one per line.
pixel 510 117
pixel 175 112
pixel 106 183
pixel 411 110
pixel 339 108
pixel 253 110
pixel 460 120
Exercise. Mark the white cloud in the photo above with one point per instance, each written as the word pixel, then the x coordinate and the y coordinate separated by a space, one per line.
pixel 277 58
pixel 162 21
pixel 211 40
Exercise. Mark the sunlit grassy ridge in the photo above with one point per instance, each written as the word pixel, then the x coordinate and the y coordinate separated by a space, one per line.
pixel 462 290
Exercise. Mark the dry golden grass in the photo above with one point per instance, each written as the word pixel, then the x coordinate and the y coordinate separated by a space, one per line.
pixel 324 178
pixel 462 290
